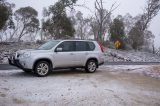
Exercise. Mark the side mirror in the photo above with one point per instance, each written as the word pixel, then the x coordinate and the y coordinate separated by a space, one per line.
pixel 58 50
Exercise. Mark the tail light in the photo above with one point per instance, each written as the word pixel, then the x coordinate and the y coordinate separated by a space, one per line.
pixel 101 46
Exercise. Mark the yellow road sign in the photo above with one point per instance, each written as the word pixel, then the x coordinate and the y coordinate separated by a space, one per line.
pixel 117 44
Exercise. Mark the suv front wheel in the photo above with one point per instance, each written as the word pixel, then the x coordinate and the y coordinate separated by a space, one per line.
pixel 42 68
pixel 91 66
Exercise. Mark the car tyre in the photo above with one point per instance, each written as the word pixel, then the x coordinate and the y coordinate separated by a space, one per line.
pixel 42 69
pixel 91 66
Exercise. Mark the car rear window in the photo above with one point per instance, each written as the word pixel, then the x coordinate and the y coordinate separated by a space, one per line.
pixel 91 46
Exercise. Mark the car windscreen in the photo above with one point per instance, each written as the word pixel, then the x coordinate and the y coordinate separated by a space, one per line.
pixel 48 45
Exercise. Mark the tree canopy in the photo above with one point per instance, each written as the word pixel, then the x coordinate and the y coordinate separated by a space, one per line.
pixel 58 24
pixel 27 21
pixel 117 30
pixel 5 13
pixel 137 33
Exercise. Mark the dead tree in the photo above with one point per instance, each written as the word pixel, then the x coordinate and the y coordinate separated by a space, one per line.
pixel 101 17
pixel 150 11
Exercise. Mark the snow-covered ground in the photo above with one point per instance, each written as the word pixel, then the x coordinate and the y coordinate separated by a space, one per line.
pixel 147 70
pixel 130 56
pixel 109 86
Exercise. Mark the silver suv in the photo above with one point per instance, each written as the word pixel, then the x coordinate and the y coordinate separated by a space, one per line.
pixel 58 54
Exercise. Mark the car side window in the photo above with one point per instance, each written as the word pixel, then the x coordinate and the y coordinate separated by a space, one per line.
pixel 84 46
pixel 67 46
pixel 81 46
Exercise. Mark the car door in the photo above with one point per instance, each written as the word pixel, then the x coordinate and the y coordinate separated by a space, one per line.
pixel 81 53
pixel 65 56
pixel 84 49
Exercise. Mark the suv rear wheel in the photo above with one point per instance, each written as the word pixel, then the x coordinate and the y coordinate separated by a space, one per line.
pixel 91 66
pixel 42 68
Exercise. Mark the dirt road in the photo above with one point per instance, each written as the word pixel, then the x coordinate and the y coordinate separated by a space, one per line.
pixel 107 87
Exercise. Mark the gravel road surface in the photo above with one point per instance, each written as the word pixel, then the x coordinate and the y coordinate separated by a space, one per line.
pixel 117 86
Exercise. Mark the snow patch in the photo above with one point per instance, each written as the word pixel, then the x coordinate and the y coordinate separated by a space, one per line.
pixel 113 55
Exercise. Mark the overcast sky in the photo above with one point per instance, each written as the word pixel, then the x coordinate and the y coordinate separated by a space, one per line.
pixel 134 7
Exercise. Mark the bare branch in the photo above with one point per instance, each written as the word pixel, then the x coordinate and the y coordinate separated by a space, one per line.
pixel 113 7
pixel 84 6
pixel 102 16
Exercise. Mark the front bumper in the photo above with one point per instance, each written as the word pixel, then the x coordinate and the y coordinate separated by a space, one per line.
pixel 15 62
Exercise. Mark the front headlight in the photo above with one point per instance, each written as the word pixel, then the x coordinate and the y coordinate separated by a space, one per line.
pixel 25 55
